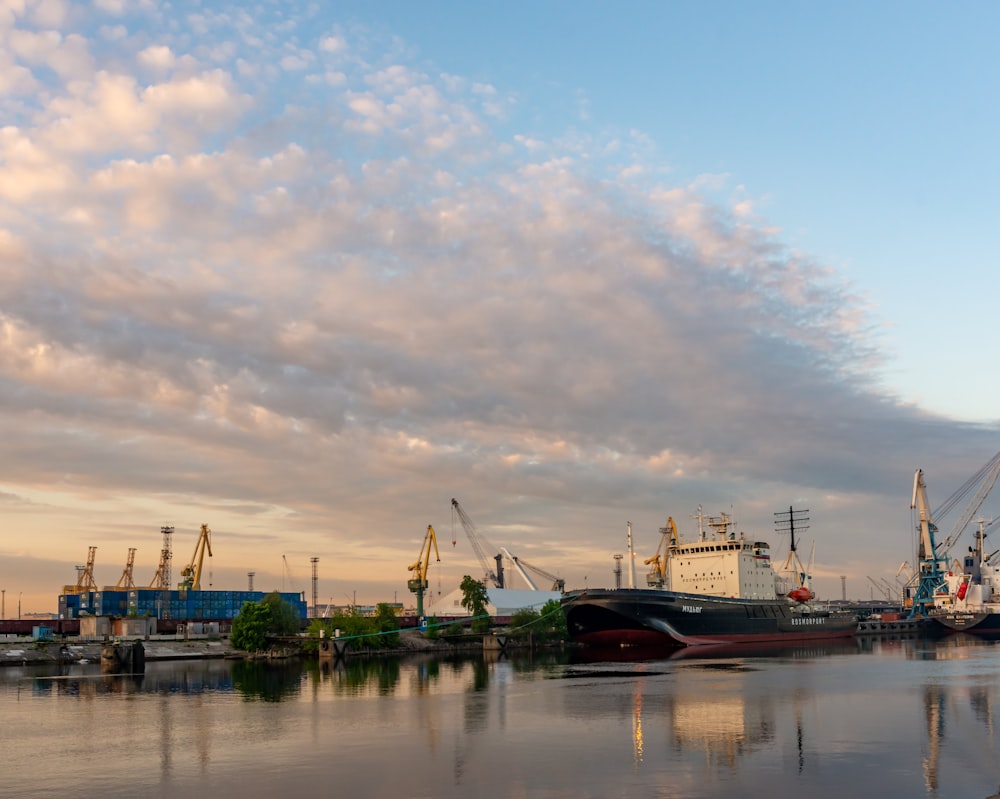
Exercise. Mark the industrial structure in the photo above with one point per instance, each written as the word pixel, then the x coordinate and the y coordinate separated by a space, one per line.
pixel 933 558
pixel 503 599
pixel 418 583
pixel 187 602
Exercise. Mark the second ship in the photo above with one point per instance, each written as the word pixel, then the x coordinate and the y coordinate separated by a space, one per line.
pixel 723 589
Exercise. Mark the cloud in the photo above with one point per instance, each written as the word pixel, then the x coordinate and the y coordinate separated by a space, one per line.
pixel 158 57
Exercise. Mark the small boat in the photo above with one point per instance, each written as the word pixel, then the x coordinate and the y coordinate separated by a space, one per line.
pixel 723 589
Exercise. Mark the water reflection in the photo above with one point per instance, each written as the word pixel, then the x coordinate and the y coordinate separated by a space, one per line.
pixel 908 719
pixel 189 677
pixel 717 718
pixel 268 681
pixel 361 676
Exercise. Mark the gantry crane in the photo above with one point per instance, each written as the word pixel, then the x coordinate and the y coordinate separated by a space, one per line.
pixel 191 574
pixel 125 582
pixel 657 576
pixel 418 582
pixel 84 575
pixel 477 541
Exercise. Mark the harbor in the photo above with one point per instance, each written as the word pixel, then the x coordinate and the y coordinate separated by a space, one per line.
pixel 913 716
pixel 717 586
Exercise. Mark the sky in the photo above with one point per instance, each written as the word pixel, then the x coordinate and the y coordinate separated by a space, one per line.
pixel 305 273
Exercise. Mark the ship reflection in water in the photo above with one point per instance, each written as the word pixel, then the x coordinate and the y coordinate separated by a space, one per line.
pixel 876 717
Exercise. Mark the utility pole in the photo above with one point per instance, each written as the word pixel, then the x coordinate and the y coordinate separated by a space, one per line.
pixel 315 584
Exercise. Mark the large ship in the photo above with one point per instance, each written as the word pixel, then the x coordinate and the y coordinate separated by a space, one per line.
pixel 721 588
pixel 968 600
pixel 965 596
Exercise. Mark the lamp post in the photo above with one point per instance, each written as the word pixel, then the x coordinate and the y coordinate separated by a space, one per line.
pixel 19 605
pixel 3 603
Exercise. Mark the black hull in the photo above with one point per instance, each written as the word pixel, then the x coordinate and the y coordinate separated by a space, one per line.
pixel 654 618
pixel 985 624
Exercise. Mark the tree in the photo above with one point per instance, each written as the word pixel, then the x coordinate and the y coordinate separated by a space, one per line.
pixel 386 622
pixel 553 621
pixel 548 624
pixel 474 600
pixel 257 620
pixel 283 619
pixel 524 622
pixel 250 627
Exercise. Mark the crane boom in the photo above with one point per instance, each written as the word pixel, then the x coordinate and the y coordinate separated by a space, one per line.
pixel 929 563
pixel 418 582
pixel 519 566
pixel 125 581
pixel 983 481
pixel 657 576
pixel 421 567
pixel 558 584
pixel 477 541
pixel 85 579
pixel 191 574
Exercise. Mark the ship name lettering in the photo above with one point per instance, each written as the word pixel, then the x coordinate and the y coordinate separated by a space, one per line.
pixel 690 609
pixel 807 620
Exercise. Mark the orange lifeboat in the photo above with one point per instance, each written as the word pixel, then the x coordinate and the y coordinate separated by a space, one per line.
pixel 801 594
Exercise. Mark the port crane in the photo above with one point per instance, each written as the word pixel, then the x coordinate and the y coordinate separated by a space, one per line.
pixel 84 575
pixel 191 574
pixel 657 575
pixel 558 584
pixel 85 579
pixel 982 482
pixel 418 582
pixel 125 582
pixel 495 577
pixel 932 556
pixel 930 563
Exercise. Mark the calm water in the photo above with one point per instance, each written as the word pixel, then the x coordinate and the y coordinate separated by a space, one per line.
pixel 886 719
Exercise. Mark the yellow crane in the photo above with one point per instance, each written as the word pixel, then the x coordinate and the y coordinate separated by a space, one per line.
pixel 191 574
pixel 418 582
pixel 84 576
pixel 657 576
pixel 125 582
pixel 161 579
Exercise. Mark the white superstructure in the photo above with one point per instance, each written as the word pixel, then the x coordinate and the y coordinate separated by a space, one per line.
pixel 721 563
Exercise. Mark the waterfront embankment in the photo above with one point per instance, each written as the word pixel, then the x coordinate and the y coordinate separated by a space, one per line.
pixel 39 653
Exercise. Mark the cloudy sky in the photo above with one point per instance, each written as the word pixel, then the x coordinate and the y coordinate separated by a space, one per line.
pixel 305 273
